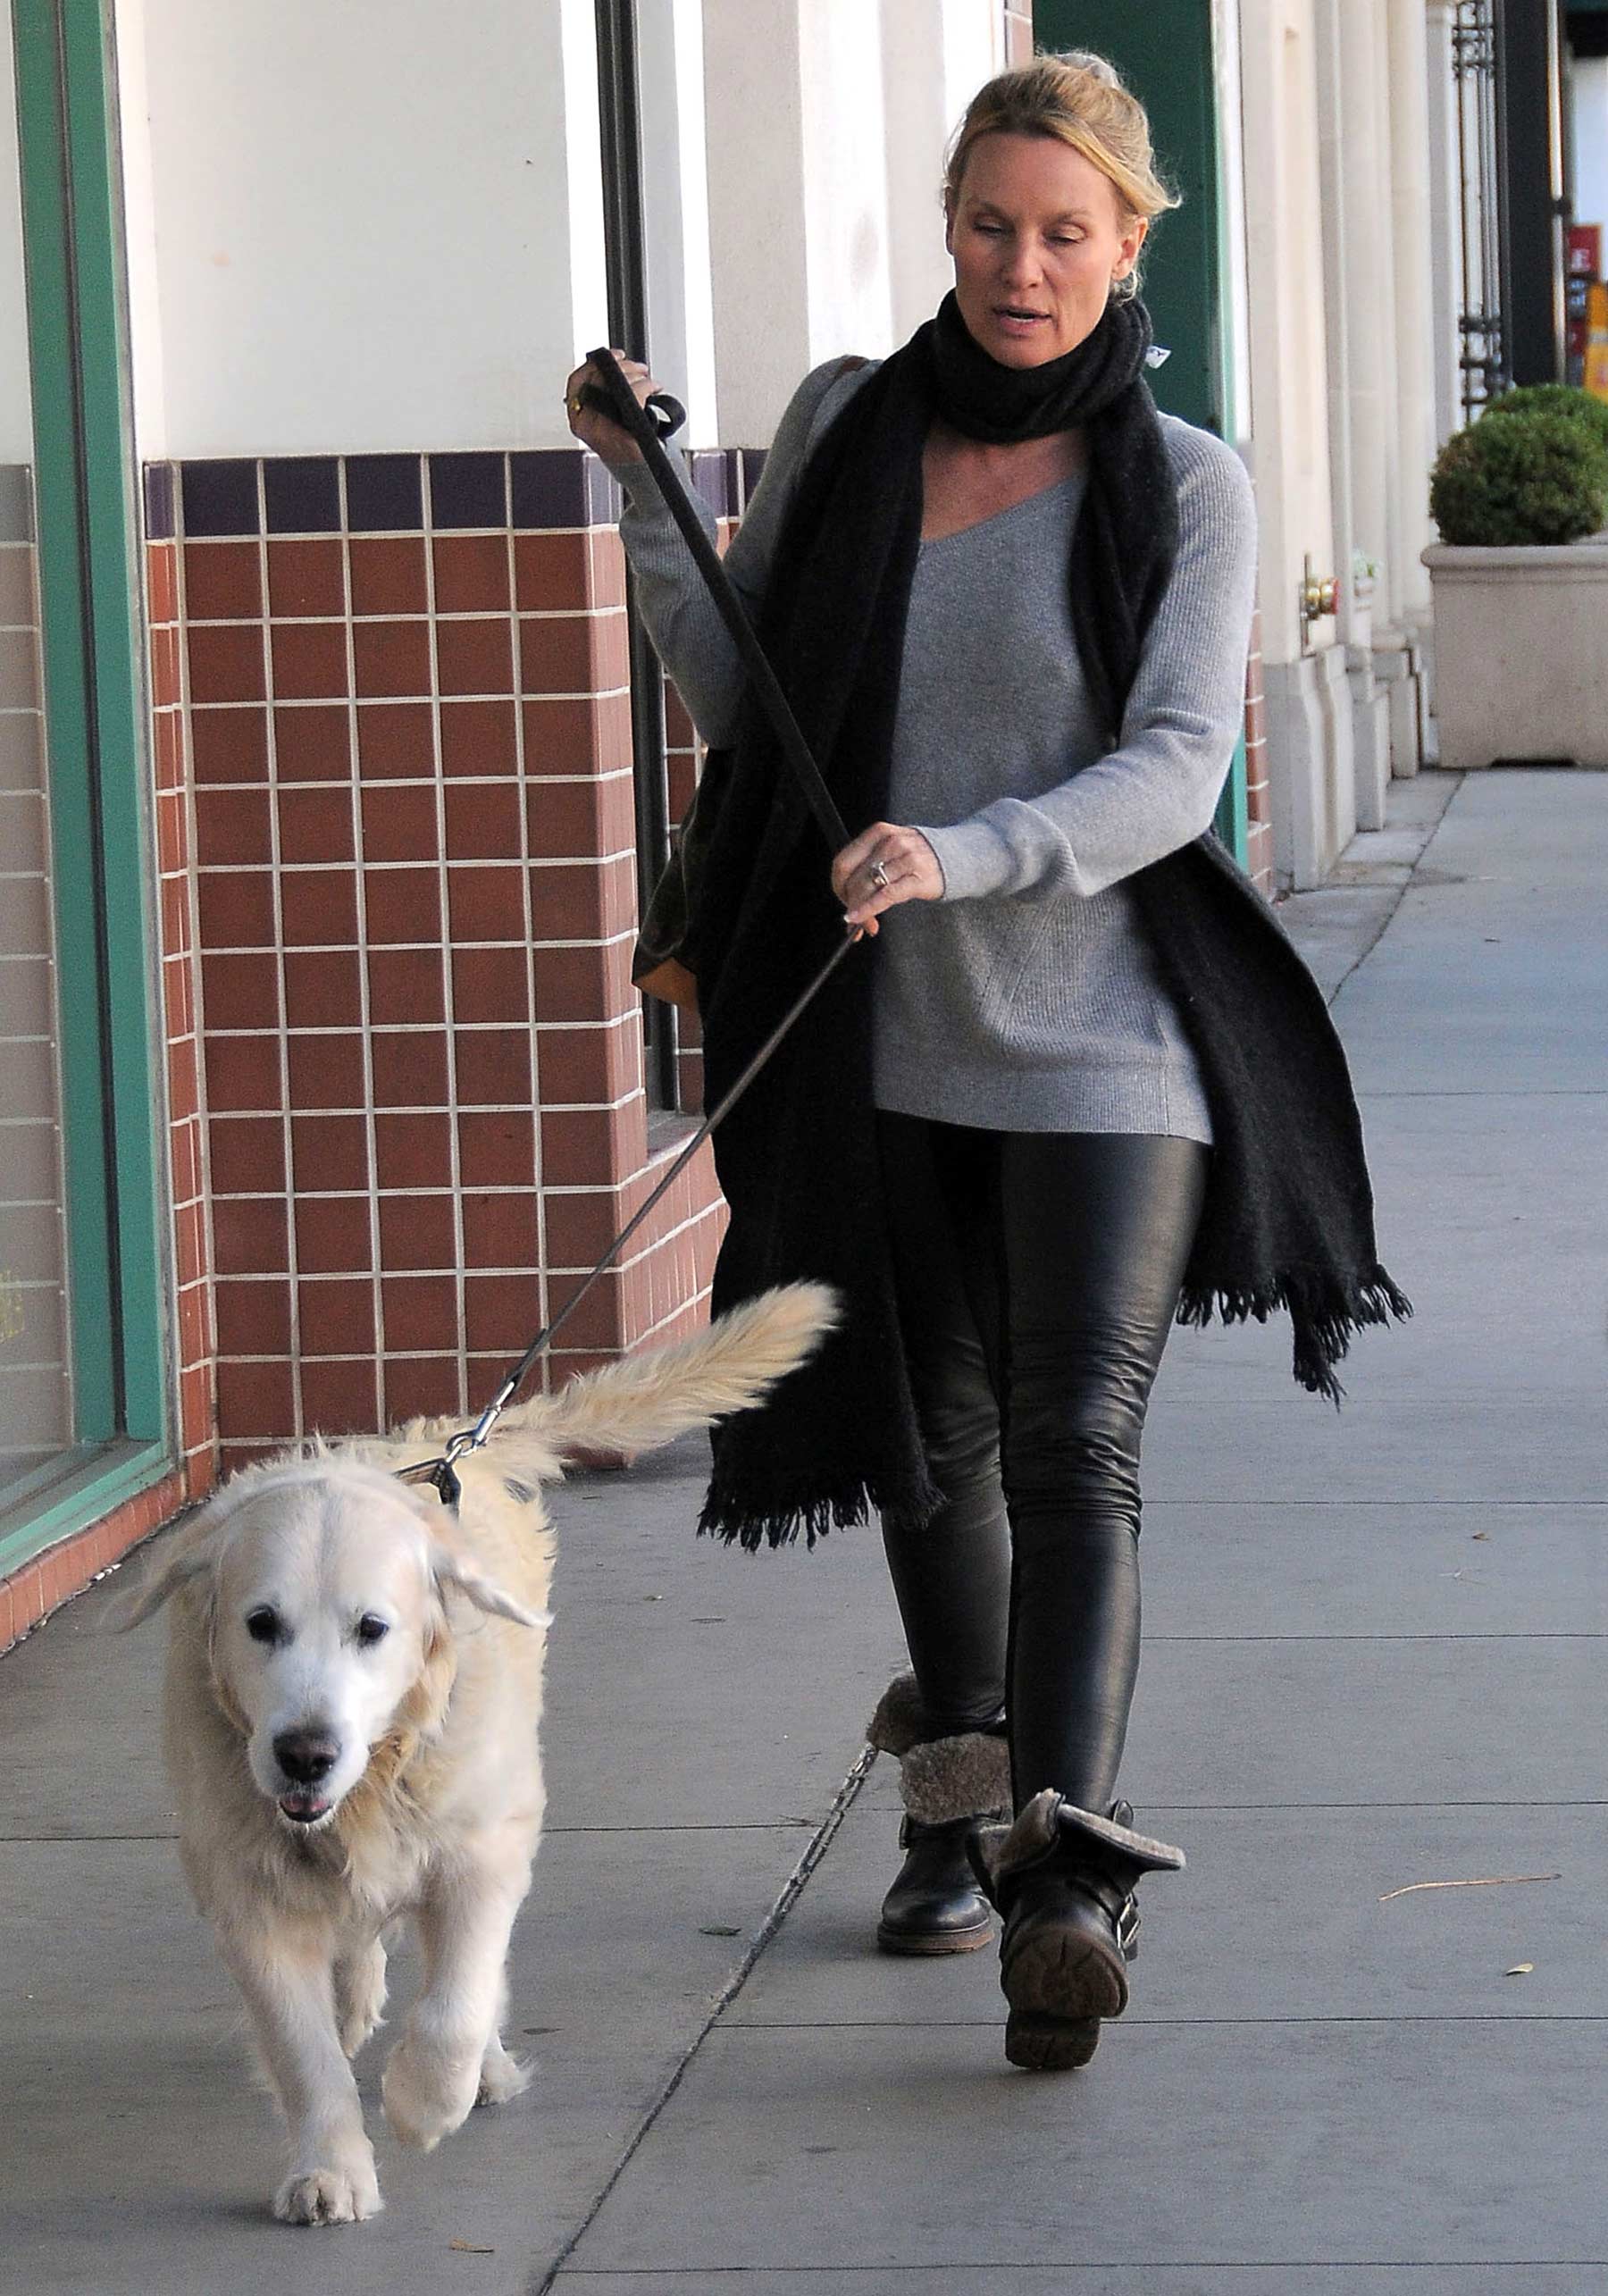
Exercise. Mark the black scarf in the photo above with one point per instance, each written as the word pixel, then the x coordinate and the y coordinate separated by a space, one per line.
pixel 1288 1217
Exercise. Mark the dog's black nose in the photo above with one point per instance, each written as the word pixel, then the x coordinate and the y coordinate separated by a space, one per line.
pixel 306 1755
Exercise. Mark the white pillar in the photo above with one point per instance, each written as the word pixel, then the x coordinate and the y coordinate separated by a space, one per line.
pixel 936 55
pixel 797 196
pixel 1445 217
pixel 753 112
pixel 1408 81
pixel 681 310
pixel 378 226
pixel 1307 747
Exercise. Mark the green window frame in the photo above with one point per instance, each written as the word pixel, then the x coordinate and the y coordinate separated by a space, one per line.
pixel 95 717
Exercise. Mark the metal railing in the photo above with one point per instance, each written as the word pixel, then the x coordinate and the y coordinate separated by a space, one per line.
pixel 1476 65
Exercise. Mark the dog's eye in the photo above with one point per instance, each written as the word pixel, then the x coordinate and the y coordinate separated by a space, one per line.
pixel 371 1628
pixel 262 1624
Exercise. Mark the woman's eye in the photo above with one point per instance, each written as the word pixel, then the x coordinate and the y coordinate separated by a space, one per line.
pixel 263 1624
pixel 371 1628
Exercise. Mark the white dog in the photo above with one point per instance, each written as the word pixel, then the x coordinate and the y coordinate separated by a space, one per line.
pixel 347 1741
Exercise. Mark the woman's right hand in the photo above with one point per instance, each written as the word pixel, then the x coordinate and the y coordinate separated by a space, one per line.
pixel 604 436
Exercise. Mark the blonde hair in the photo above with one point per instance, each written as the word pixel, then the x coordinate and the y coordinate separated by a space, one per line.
pixel 1079 98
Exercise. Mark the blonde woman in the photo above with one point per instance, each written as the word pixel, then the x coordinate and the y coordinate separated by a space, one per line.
pixel 1078 1084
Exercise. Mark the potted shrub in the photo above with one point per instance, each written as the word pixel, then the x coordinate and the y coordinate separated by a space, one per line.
pixel 1520 582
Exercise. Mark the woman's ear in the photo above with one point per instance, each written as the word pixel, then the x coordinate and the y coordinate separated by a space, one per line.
pixel 1133 239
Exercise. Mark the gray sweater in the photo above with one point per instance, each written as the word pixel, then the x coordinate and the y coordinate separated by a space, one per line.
pixel 1025 1000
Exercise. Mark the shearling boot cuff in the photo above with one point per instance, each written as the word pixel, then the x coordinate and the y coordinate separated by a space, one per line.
pixel 965 1776
pixel 1051 1828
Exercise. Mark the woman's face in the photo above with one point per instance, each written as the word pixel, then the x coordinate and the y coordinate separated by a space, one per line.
pixel 1038 236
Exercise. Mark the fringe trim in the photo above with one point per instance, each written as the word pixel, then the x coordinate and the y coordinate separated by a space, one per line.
pixel 752 1519
pixel 1327 1316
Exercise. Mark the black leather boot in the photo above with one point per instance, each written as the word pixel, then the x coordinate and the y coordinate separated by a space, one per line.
pixel 1063 1879
pixel 949 1786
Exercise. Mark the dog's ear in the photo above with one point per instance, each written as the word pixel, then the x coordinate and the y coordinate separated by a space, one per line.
pixel 181 1558
pixel 455 1570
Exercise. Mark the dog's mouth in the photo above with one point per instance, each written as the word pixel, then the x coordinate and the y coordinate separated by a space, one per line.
pixel 304 1806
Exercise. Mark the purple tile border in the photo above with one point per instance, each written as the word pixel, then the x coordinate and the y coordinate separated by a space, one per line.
pixel 302 494
pixel 220 498
pixel 160 524
pixel 470 490
pixel 384 494
pixel 540 490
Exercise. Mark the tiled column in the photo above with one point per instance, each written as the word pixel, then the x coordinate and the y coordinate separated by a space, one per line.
pixel 410 726
pixel 191 1230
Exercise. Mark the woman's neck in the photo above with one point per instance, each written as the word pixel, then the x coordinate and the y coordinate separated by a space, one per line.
pixel 965 481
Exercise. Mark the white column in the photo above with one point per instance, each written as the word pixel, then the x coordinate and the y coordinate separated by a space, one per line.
pixel 936 55
pixel 374 226
pixel 1590 79
pixel 1231 173
pixel 1307 735
pixel 845 184
pixel 1370 272
pixel 681 309
pixel 1445 217
pixel 1406 67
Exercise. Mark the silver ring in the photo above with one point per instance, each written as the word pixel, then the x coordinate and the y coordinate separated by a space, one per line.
pixel 879 875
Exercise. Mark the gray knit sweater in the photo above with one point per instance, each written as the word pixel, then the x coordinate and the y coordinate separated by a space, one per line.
pixel 1025 1000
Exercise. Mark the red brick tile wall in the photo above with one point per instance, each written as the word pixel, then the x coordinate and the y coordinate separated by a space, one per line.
pixel 416 892
pixel 191 1229
pixel 1019 34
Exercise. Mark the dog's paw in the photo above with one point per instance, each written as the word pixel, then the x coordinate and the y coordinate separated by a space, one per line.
pixel 501 2077
pixel 427 2093
pixel 329 2196
pixel 360 1996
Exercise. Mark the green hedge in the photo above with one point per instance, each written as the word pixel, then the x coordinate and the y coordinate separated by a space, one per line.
pixel 1556 398
pixel 1536 476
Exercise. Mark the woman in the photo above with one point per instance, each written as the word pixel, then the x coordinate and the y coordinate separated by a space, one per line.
pixel 1011 607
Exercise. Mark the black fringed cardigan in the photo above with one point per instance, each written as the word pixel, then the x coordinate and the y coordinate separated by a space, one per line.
pixel 1288 1222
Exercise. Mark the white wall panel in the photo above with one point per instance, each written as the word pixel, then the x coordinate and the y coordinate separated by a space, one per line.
pixel 376 226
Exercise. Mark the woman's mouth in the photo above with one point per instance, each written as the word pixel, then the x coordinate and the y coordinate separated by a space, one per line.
pixel 1018 319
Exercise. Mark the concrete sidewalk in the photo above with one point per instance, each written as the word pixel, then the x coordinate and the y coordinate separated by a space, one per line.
pixel 1374 1658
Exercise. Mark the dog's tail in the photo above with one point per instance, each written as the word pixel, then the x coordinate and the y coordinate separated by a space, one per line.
pixel 646 1400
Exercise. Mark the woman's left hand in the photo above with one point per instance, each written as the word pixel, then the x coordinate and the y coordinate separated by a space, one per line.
pixel 884 866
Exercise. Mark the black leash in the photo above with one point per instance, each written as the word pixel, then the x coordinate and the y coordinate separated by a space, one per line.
pixel 649 426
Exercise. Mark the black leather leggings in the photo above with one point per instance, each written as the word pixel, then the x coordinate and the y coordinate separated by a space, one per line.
pixel 1038 1275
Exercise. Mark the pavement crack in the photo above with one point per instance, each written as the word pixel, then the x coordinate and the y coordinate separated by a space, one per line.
pixel 786 1898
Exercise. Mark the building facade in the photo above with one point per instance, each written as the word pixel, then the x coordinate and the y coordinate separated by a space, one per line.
pixel 331 763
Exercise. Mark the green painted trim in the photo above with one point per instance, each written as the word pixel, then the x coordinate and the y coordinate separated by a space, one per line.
pixel 43 154
pixel 120 711
pixel 83 1486
pixel 1166 50
pixel 1163 49
pixel 95 714
pixel 1233 818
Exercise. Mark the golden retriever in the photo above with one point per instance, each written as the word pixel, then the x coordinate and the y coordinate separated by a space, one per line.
pixel 353 1688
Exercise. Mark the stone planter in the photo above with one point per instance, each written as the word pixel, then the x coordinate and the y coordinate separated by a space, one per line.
pixel 1521 653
